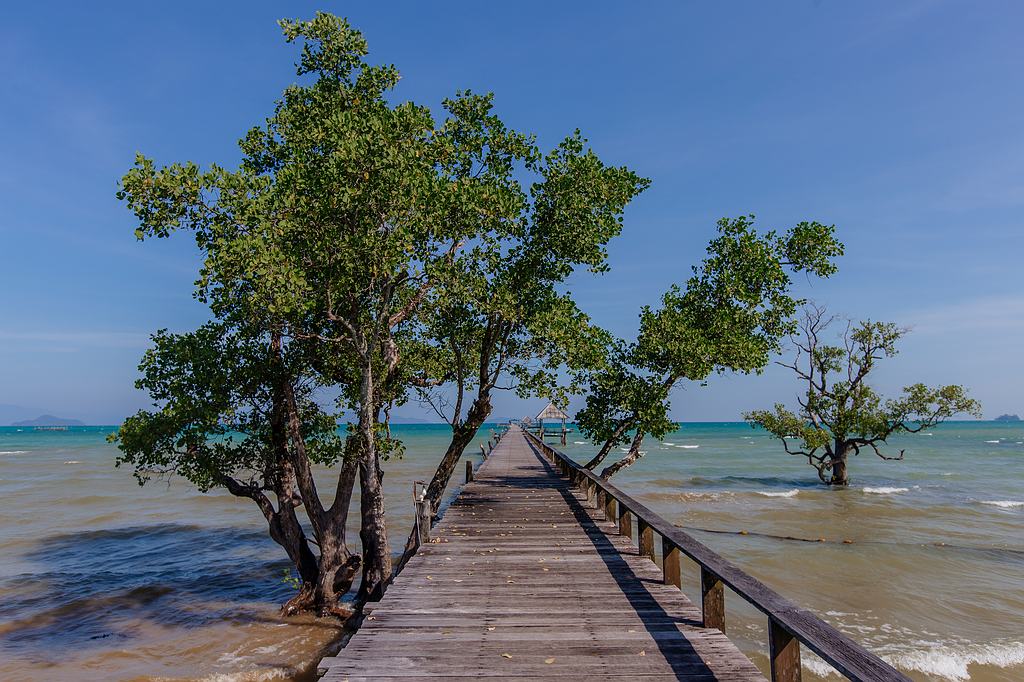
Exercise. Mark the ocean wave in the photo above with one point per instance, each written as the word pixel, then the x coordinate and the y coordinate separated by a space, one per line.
pixel 1004 504
pixel 818 666
pixel 72 461
pixel 884 490
pixel 13 452
pixel 266 674
pixel 688 447
pixel 579 442
pixel 788 493
pixel 952 662
pixel 937 660
pixel 991 441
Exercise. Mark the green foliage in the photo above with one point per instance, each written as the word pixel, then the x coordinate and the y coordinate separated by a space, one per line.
pixel 211 419
pixel 730 317
pixel 498 309
pixel 839 411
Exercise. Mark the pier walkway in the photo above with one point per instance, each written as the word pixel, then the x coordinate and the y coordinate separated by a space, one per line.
pixel 522 579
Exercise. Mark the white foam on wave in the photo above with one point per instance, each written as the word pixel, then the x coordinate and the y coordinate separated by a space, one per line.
pixel 688 447
pixel 818 666
pixel 72 461
pixel 789 493
pixel 884 490
pixel 1004 504
pixel 579 442
pixel 991 441
pixel 263 675
pixel 952 663
pixel 13 452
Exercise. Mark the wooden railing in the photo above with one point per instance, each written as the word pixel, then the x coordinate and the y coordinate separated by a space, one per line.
pixel 789 626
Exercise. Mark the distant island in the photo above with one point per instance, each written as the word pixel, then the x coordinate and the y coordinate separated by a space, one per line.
pixel 49 420
pixel 1007 418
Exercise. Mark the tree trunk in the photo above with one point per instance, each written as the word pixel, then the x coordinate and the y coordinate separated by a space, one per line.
pixel 631 457
pixel 462 435
pixel 608 445
pixel 373 524
pixel 839 474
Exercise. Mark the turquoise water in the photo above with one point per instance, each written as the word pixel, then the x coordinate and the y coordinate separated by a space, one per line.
pixel 101 579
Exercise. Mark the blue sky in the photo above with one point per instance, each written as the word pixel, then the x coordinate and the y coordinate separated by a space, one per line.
pixel 898 122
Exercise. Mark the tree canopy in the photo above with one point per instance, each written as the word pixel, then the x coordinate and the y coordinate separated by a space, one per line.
pixel 839 411
pixel 730 317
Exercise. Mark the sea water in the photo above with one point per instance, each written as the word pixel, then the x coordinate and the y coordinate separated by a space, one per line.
pixel 921 560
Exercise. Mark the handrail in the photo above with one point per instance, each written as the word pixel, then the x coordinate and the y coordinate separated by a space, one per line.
pixel 788 624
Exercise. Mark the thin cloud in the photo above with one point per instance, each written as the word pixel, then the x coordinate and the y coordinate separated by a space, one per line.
pixel 989 314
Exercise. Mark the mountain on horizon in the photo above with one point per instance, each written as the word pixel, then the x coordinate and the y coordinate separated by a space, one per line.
pixel 49 420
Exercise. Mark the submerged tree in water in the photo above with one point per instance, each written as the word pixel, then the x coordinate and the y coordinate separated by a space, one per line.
pixel 840 414
pixel 730 317
pixel 220 421
pixel 328 235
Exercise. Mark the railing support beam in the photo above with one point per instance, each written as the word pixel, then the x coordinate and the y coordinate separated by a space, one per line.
pixel 712 600
pixel 625 522
pixel 423 521
pixel 645 539
pixel 670 556
pixel 609 508
pixel 784 651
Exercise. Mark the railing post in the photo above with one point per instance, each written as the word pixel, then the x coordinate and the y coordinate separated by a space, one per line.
pixel 483 451
pixel 645 539
pixel 609 508
pixel 670 556
pixel 712 600
pixel 784 652
pixel 625 522
pixel 600 499
pixel 423 521
pixel 591 493
pixel 469 470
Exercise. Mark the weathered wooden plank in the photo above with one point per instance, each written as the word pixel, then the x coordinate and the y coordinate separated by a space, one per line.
pixel 523 579
pixel 849 658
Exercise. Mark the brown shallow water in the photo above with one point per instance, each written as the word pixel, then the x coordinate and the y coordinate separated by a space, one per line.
pixel 103 580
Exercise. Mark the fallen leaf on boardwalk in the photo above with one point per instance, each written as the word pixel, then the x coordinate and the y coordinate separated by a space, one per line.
pixel 544 569
pixel 506 655
pixel 643 653
pixel 490 629
pixel 549 660
pixel 510 581
pixel 457 580
pixel 429 578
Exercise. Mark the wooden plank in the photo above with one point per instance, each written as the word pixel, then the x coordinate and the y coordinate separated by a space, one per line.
pixel 524 580
pixel 848 657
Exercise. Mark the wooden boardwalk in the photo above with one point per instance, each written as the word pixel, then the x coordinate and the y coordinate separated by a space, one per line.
pixel 524 581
